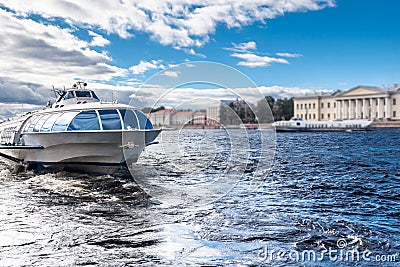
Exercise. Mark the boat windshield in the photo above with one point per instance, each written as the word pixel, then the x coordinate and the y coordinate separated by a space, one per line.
pixel 94 95
pixel 83 94
pixel 89 120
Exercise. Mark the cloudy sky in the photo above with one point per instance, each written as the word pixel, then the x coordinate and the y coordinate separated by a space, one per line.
pixel 286 47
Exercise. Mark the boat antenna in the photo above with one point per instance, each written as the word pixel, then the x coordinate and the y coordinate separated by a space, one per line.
pixel 57 91
pixel 54 91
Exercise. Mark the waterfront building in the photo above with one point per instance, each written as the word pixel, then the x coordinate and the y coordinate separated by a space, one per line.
pixel 213 114
pixel 200 117
pixel 168 117
pixel 360 102
pixel 162 117
pixel 182 117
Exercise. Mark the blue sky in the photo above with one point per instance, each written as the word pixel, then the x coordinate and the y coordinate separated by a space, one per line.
pixel 287 47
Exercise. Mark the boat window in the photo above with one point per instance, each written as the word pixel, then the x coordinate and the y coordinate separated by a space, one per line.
pixel 86 120
pixel 144 122
pixel 94 95
pixel 63 121
pixel 49 122
pixel 31 123
pixel 82 93
pixel 110 119
pixel 69 95
pixel 129 119
pixel 40 123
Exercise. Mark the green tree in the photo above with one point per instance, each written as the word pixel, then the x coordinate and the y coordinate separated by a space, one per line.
pixel 263 109
pixel 283 109
pixel 270 100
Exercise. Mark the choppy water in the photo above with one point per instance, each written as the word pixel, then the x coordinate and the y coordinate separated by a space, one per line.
pixel 324 190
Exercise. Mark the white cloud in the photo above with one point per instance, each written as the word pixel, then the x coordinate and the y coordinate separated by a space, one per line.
pixel 247 52
pixel 98 40
pixel 242 47
pixel 288 55
pixel 173 74
pixel 47 54
pixel 179 23
pixel 144 66
pixel 253 60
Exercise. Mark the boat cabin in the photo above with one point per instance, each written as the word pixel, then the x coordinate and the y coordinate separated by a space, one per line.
pixel 88 120
pixel 78 94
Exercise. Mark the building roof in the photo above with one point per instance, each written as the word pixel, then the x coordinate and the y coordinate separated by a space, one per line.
pixel 319 95
pixel 183 113
pixel 163 111
pixel 339 93
pixel 372 88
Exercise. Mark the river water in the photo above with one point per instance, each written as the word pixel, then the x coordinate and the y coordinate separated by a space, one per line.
pixel 329 199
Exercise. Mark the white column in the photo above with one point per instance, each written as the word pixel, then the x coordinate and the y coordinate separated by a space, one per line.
pixel 337 109
pixel 371 108
pixel 387 107
pixel 379 108
pixel 344 113
pixel 357 109
pixel 364 108
pixel 351 111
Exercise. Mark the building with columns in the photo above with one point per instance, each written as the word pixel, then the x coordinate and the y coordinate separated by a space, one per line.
pixel 361 102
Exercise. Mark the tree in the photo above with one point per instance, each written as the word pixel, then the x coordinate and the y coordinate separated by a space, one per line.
pixel 270 100
pixel 283 109
pixel 263 109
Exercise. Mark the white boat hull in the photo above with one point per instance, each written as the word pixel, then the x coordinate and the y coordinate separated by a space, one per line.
pixel 296 125
pixel 89 151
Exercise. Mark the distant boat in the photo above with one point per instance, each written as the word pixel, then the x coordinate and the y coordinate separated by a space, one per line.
pixel 299 125
pixel 77 133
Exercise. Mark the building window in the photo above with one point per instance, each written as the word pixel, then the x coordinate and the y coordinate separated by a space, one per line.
pixel 309 106
pixel 297 106
pixel 329 115
pixel 301 106
pixel 309 116
pixel 322 105
pixel 362 115
pixel 394 101
pixel 301 115
pixel 334 104
pixel 322 116
pixel 394 114
pixel 313 116
pixel 377 101
pixel 329 104
pixel 313 105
